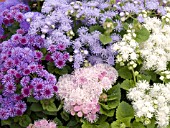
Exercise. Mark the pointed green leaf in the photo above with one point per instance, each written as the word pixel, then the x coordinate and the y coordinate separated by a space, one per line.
pixel 124 113
pixel 24 121
pixel 31 99
pixel 106 112
pixel 116 124
pixel 137 125
pixel 57 121
pixel 36 107
pixel 142 35
pixel 96 27
pixel 65 115
pixel 125 73
pixel 127 84
pixel 105 39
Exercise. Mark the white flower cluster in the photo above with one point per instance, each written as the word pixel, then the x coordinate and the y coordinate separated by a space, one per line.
pixel 156 50
pixel 166 18
pixel 151 102
pixel 127 49
pixel 165 75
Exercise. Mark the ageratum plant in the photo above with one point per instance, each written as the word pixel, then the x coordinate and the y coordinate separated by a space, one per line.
pixel 12 18
pixel 87 64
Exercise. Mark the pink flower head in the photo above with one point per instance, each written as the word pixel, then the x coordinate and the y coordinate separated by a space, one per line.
pixel 19 17
pixel 61 46
pixel 81 90
pixel 43 124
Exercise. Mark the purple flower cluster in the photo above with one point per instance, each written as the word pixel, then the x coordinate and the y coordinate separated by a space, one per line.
pixel 58 29
pixel 57 55
pixel 11 106
pixel 13 15
pixel 88 49
pixel 22 74
pixel 126 7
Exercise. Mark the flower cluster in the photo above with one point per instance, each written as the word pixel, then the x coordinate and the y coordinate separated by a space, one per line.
pixel 57 24
pixel 156 48
pixel 43 124
pixel 13 16
pixel 127 48
pixel 81 90
pixel 152 50
pixel 151 102
pixel 22 74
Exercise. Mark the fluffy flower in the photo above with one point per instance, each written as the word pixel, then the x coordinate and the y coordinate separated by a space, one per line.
pixel 43 123
pixel 156 48
pixel 81 89
pixel 151 101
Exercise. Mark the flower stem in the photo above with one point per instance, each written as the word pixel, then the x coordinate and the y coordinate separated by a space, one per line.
pixel 134 76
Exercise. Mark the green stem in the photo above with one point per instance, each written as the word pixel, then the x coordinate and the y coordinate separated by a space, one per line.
pixel 134 76
pixel 144 3
pixel 39 6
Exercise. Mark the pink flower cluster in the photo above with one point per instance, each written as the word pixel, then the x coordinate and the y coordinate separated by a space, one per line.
pixel 42 124
pixel 81 90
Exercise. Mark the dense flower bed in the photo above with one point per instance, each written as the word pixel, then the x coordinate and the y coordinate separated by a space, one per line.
pixel 85 64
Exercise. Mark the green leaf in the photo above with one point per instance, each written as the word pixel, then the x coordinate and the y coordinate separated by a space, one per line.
pixel 65 115
pixel 126 26
pixel 88 126
pixel 24 121
pixel 51 67
pixel 104 106
pixel 152 74
pixel 109 20
pixel 36 107
pixel 50 113
pixel 5 122
pixel 113 100
pixel 31 99
pixel 103 125
pixel 142 35
pixel 62 71
pixel 127 84
pixel 116 124
pixel 72 123
pixel 44 50
pixel 101 119
pixel 62 127
pixel 105 39
pixel 137 125
pixel 15 126
pixel 96 27
pixel 48 105
pixel 125 73
pixel 152 124
pixel 125 113
pixel 41 115
pixel 114 94
pixel 109 113
pixel 144 77
pixel 57 121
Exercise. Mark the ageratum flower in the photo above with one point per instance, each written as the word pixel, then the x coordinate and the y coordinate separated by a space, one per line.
pixel 58 29
pixel 22 74
pixel 43 123
pixel 13 12
pixel 81 90
pixel 151 102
